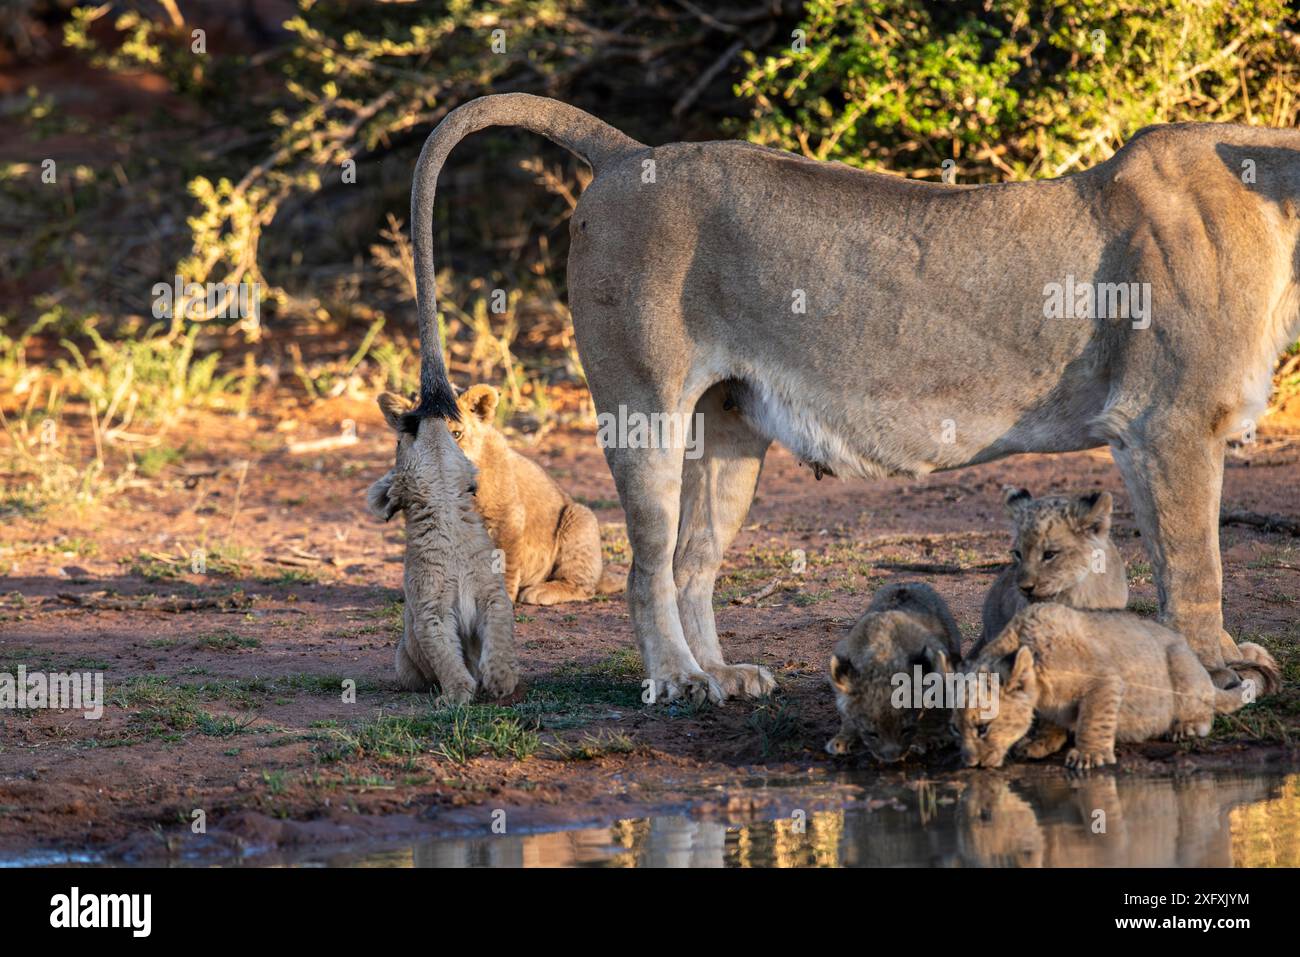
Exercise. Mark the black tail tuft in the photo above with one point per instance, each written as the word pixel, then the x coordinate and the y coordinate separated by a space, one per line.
pixel 438 402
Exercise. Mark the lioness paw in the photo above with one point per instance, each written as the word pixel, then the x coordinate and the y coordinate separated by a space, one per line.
pixel 694 686
pixel 743 681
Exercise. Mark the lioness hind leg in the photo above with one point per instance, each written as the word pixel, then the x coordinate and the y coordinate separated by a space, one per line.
pixel 577 564
pixel 1174 476
pixel 649 483
pixel 717 488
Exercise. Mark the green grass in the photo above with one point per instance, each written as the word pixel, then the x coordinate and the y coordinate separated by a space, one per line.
pixel 592 746
pixel 151 462
pixel 457 733
pixel 777 728
pixel 226 641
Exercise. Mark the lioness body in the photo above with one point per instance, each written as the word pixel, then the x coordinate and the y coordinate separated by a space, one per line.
pixel 1106 675
pixel 906 625
pixel 876 325
pixel 551 543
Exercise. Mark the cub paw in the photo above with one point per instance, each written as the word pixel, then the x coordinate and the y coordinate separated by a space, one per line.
pixel 499 681
pixel 840 744
pixel 1081 760
pixel 454 695
pixel 743 681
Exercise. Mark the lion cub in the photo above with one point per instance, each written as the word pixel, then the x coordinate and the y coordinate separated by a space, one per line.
pixel 1062 552
pixel 906 625
pixel 458 624
pixel 551 543
pixel 1107 675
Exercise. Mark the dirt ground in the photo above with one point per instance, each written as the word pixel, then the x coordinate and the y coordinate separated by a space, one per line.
pixel 233 704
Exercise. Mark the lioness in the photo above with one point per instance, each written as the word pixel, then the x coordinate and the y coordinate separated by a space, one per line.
pixel 906 626
pixel 457 624
pixel 1107 675
pixel 1062 553
pixel 551 543
pixel 877 325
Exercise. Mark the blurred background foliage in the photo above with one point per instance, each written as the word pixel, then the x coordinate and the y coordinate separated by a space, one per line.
pixel 275 146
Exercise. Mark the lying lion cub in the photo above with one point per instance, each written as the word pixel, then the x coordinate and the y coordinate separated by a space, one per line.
pixel 551 543
pixel 1108 675
pixel 1062 552
pixel 905 625
pixel 457 624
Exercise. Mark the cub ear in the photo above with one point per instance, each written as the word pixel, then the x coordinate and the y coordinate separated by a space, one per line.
pixel 1022 670
pixel 842 672
pixel 481 401
pixel 380 499
pixel 394 407
pixel 1092 512
pixel 1015 498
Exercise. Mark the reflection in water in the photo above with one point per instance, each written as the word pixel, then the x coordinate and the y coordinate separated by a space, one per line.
pixel 1101 820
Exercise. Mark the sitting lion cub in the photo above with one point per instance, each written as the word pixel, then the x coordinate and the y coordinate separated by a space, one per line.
pixel 551 543
pixel 906 625
pixel 1062 552
pixel 457 624
pixel 1107 675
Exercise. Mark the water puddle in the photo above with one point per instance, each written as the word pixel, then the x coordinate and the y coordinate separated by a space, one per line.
pixel 1204 819
pixel 1102 820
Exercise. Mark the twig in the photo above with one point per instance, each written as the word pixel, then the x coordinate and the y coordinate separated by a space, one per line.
pixel 930 568
pixel 101 601
pixel 1269 523
pixel 759 595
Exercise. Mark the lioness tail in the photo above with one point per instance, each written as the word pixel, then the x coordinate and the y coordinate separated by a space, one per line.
pixel 1258 664
pixel 593 141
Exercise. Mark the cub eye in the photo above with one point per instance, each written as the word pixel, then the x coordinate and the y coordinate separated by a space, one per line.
pixel 1049 555
pixel 456 434
pixel 984 730
pixel 1015 554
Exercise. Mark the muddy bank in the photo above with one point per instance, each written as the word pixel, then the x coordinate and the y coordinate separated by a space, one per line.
pixel 226 688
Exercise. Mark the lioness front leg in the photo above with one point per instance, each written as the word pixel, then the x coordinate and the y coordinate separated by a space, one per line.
pixel 649 483
pixel 1094 732
pixel 1174 476
pixel 719 476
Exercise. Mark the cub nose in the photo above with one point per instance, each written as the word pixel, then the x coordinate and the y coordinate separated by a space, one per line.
pixel 1027 591
pixel 889 753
